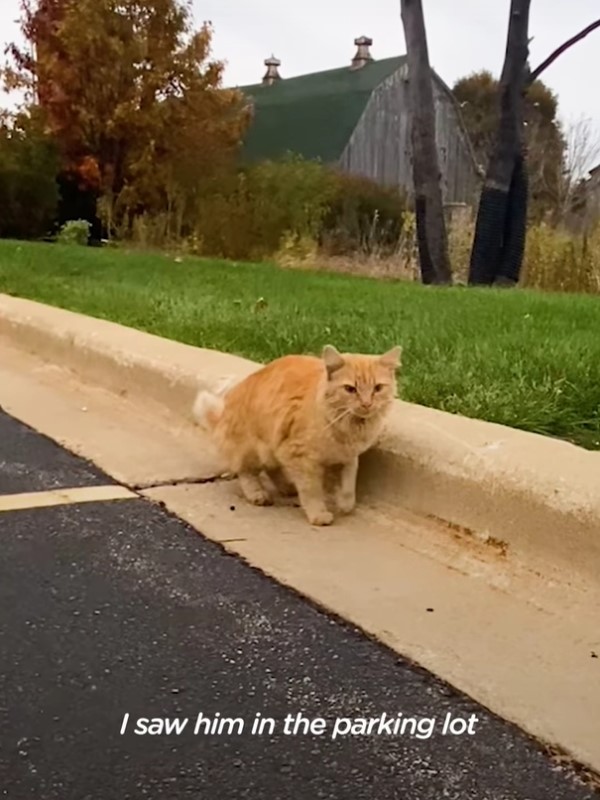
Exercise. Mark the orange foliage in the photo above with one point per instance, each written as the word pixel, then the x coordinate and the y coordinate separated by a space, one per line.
pixel 129 92
pixel 88 172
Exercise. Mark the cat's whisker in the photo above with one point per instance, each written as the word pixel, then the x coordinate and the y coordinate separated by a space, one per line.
pixel 337 419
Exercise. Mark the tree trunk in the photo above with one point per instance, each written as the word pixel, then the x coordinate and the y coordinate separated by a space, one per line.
pixel 431 227
pixel 499 242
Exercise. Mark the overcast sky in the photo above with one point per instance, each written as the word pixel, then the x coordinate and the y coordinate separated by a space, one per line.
pixel 464 36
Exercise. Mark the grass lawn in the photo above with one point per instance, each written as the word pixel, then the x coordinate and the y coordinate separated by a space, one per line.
pixel 520 358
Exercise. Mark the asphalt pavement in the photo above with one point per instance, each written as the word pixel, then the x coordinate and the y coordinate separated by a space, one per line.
pixel 117 608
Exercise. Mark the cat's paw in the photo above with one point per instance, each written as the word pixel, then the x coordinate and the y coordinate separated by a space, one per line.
pixel 320 518
pixel 259 497
pixel 346 503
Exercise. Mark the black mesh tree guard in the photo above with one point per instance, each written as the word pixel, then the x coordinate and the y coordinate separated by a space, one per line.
pixel 515 229
pixel 486 254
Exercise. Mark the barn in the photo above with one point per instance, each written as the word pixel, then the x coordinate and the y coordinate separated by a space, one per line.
pixel 357 118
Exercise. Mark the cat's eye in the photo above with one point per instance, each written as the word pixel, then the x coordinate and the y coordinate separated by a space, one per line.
pixel 350 388
pixel 379 387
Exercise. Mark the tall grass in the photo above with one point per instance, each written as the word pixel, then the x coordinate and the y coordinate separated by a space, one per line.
pixel 556 260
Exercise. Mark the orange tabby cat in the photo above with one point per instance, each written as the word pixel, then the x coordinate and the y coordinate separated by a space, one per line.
pixel 298 417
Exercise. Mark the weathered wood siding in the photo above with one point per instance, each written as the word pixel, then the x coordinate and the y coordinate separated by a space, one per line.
pixel 380 146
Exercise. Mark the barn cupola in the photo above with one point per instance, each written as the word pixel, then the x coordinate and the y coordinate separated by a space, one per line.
pixel 363 53
pixel 272 74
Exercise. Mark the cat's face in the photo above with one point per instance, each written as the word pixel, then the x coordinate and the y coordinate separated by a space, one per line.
pixel 361 386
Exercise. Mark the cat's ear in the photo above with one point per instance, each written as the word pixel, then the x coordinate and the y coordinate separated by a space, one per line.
pixel 333 360
pixel 392 358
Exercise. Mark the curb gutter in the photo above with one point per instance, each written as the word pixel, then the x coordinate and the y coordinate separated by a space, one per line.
pixel 533 498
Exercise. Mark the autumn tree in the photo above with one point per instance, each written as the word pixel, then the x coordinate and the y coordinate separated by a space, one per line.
pixel 131 95
pixel 545 142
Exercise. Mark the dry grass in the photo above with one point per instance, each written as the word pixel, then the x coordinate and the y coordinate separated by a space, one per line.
pixel 387 268
pixel 375 259
pixel 558 261
pixel 555 260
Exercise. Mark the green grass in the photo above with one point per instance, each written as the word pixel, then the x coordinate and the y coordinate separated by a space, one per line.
pixel 519 358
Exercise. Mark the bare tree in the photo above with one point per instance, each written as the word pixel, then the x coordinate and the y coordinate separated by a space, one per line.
pixel 431 227
pixel 499 244
pixel 582 154
pixel 562 179
pixel 501 220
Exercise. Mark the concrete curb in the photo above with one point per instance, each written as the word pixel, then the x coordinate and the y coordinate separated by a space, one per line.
pixel 533 498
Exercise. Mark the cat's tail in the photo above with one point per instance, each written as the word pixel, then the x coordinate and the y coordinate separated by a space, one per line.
pixel 208 406
pixel 207 410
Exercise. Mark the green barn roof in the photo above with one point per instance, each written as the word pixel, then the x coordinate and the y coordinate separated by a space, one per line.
pixel 312 115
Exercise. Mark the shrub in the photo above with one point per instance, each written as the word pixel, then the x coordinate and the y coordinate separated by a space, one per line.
pixel 28 169
pixel 362 216
pixel 249 214
pixel 285 207
pixel 289 204
pixel 74 232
